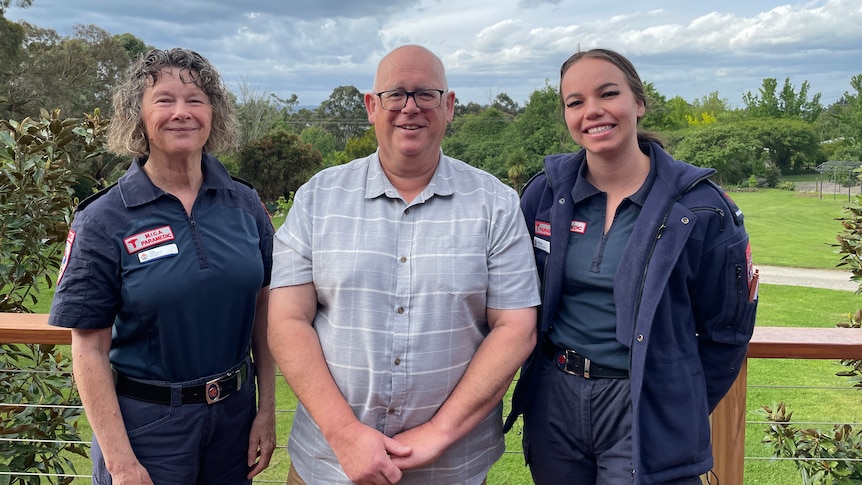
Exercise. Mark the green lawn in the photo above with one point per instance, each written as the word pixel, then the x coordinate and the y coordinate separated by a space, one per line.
pixel 791 228
pixel 786 228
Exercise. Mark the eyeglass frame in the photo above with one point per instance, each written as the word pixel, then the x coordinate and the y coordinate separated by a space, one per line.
pixel 411 94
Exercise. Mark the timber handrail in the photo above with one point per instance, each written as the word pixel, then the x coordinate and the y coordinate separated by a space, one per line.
pixel 31 328
pixel 728 419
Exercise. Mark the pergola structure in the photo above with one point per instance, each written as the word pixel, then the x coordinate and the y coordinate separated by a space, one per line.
pixel 839 171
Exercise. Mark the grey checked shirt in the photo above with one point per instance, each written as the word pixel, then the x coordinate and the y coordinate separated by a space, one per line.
pixel 402 294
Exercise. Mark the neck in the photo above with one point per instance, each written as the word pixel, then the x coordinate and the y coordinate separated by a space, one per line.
pixel 409 179
pixel 175 175
pixel 621 175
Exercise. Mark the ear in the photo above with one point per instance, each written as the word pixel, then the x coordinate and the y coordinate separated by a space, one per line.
pixel 450 106
pixel 641 109
pixel 371 104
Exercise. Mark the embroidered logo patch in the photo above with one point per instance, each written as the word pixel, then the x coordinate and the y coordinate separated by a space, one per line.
pixel 70 238
pixel 146 239
pixel 543 228
pixel 578 227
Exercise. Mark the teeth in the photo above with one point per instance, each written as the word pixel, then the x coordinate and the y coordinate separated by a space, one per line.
pixel 598 129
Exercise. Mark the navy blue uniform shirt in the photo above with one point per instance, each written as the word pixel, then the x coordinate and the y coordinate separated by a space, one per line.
pixel 179 290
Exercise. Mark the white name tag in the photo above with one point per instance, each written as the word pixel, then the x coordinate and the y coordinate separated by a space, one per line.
pixel 542 244
pixel 158 253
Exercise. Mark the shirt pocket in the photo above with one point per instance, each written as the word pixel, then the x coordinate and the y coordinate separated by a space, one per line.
pixel 736 324
pixel 462 264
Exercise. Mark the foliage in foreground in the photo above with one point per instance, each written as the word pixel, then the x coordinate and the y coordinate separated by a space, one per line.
pixel 821 457
pixel 832 458
pixel 39 414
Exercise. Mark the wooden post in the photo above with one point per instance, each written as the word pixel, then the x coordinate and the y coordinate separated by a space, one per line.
pixel 728 432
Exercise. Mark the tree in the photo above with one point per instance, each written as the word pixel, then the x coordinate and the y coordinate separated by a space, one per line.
pixel 277 164
pixel 786 104
pixel 343 113
pixel 4 4
pixel 789 143
pixel 539 130
pixel 323 142
pixel 74 74
pixel 258 111
pixel 357 147
pixel 133 46
pixel 505 104
pixel 731 150
pixel 478 140
pixel 657 115
pixel 469 108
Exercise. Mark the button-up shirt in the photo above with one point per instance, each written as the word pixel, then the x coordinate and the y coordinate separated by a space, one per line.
pixel 402 295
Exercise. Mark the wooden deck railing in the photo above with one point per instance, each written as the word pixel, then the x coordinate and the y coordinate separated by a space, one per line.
pixel 728 420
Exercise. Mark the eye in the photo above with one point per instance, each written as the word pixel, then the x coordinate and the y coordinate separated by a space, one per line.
pixel 395 95
pixel 427 95
pixel 574 103
pixel 610 94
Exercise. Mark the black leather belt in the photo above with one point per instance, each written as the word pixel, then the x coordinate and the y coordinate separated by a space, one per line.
pixel 576 364
pixel 208 392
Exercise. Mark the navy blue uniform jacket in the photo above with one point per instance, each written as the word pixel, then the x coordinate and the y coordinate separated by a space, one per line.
pixel 682 298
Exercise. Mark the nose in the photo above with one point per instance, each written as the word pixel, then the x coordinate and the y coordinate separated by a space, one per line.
pixel 181 110
pixel 593 109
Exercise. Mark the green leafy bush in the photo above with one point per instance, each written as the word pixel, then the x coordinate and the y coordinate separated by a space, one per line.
pixel 39 406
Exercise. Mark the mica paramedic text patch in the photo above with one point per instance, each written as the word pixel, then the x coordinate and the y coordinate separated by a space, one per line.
pixel 146 239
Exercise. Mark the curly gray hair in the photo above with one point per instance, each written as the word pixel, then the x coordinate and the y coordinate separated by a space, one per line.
pixel 126 134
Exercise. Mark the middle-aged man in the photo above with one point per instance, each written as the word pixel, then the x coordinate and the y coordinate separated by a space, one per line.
pixel 403 300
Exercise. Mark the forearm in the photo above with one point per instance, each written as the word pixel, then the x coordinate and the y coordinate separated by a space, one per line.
pixel 95 383
pixel 296 349
pixel 489 374
pixel 263 359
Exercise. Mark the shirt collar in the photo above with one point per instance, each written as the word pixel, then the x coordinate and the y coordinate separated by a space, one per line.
pixel 583 189
pixel 137 189
pixel 378 183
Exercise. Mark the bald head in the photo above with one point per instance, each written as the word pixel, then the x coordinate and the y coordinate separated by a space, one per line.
pixel 409 58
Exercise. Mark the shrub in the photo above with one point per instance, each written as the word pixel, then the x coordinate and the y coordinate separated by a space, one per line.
pixel 36 202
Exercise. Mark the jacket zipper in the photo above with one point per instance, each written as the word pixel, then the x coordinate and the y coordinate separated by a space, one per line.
pixel 658 235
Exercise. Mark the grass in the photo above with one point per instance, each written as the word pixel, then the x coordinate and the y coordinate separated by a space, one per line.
pixel 786 229
pixel 791 228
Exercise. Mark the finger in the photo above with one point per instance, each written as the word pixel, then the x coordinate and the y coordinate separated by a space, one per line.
pixel 396 448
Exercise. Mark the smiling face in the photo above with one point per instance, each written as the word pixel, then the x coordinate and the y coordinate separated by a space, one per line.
pixel 177 116
pixel 600 108
pixel 410 138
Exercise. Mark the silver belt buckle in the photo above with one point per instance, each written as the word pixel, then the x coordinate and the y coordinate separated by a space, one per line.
pixel 213 391
pixel 213 387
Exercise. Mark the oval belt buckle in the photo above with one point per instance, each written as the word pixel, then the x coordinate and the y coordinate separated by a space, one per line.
pixel 213 391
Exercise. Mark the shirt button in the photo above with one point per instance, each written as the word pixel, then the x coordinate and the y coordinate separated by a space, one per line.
pixel 397 361
pixel 684 220
pixel 406 212
pixel 400 310
pixel 403 259
pixel 391 411
pixel 640 338
pixel 561 201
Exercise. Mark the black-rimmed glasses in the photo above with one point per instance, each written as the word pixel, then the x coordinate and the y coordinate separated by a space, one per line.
pixel 396 99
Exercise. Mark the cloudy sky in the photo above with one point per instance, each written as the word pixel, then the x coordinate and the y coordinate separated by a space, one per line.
pixel 309 47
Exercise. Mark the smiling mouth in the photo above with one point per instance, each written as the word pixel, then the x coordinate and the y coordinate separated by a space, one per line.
pixel 600 129
pixel 409 127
